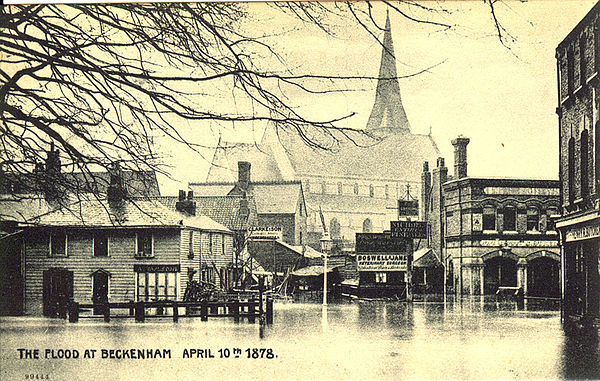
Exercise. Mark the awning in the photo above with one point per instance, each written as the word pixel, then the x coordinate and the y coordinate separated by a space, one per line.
pixel 312 270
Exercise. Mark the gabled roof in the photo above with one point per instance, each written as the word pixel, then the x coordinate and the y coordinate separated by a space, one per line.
pixel 276 198
pixel 223 209
pixel 137 183
pixel 133 214
pixel 271 197
pixel 426 258
pixel 393 157
pixel 22 208
pixel 224 167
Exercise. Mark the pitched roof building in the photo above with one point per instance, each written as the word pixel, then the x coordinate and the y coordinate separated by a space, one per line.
pixel 356 184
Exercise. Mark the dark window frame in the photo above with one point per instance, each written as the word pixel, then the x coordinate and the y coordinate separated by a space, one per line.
pixel 55 238
pixel 144 239
pixel 509 224
pixel 103 250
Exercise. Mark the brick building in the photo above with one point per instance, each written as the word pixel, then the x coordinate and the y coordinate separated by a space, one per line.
pixel 492 232
pixel 578 65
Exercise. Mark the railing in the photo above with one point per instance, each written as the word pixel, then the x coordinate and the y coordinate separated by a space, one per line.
pixel 238 309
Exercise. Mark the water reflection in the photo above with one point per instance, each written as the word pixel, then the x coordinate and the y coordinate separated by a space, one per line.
pixel 456 338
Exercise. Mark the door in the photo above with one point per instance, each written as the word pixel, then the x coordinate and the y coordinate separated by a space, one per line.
pixel 58 290
pixel 100 291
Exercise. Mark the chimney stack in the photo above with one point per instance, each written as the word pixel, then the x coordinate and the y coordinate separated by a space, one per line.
pixel 425 189
pixel 185 204
pixel 244 209
pixel 243 175
pixel 460 156
pixel 116 192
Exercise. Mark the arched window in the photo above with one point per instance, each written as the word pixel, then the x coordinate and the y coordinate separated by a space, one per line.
pixel 371 191
pixel 584 164
pixel 571 170
pixel 355 188
pixel 339 188
pixel 334 228
pixel 323 187
pixel 533 219
pixel 367 226
pixel 307 186
pixel 387 191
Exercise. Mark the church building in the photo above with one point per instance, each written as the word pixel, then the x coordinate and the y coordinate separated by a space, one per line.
pixel 355 187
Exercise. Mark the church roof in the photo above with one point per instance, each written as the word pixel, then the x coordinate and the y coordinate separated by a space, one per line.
pixel 393 157
pixel 349 203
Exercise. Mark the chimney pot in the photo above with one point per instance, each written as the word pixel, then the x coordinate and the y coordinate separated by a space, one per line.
pixel 426 166
pixel 181 195
pixel 190 195
pixel 440 162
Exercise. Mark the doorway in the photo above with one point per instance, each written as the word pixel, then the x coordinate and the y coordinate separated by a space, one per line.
pixel 499 272
pixel 58 290
pixel 99 291
pixel 543 277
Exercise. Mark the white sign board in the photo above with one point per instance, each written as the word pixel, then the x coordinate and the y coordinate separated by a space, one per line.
pixel 381 262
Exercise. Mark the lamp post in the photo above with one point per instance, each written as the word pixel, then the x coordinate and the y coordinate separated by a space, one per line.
pixel 326 244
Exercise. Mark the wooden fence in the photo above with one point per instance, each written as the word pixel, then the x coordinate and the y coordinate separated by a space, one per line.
pixel 249 309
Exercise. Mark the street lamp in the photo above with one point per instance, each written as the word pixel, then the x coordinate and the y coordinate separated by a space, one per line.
pixel 326 244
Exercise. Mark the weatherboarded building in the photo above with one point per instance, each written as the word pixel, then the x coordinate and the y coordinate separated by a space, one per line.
pixel 356 187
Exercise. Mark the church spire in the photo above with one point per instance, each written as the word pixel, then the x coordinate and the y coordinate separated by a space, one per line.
pixel 388 113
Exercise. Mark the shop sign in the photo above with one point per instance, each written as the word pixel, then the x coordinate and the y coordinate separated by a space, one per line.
pixel 270 232
pixel 583 232
pixel 381 243
pixel 408 208
pixel 409 229
pixel 156 268
pixel 382 262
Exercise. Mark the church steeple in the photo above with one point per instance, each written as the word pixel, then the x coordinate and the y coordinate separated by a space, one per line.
pixel 388 114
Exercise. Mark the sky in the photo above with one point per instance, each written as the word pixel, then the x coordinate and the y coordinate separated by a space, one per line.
pixel 502 98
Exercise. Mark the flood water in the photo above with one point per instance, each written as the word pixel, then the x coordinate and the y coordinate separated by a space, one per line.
pixel 470 338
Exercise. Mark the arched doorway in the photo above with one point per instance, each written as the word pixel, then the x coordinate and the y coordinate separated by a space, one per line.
pixel 499 271
pixel 543 277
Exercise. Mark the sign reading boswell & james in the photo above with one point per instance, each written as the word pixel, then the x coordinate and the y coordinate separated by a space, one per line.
pixel 382 262
pixel 408 229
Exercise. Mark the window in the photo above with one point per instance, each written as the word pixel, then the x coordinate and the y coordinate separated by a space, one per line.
pixel 222 244
pixel 157 286
pixel 355 188
pixel 334 228
pixel 380 277
pixel 510 218
pixel 387 191
pixel 571 170
pixel 191 245
pixel 584 164
pixel 210 243
pixel 489 218
pixel 371 191
pixel 100 244
pixel 323 188
pixel 339 188
pixel 533 220
pixel 144 244
pixel 307 186
pixel 58 244
pixel 597 49
pixel 570 71
pixel 208 275
pixel 582 76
